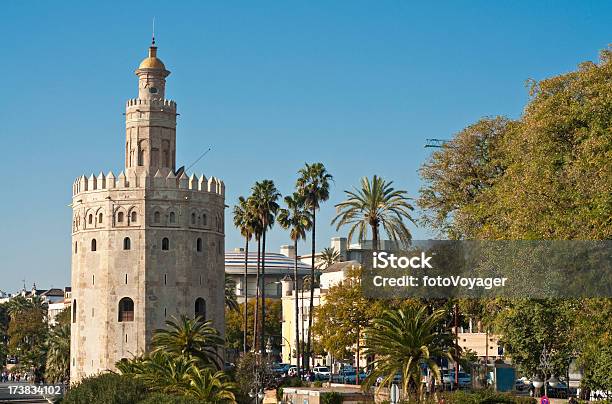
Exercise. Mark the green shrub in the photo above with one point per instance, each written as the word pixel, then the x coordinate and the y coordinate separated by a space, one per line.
pixel 487 396
pixel 279 394
pixel 108 388
pixel 332 397
pixel 159 398
pixel 292 382
pixel 318 383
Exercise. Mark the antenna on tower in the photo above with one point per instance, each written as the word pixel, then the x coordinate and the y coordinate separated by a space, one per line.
pixel 153 36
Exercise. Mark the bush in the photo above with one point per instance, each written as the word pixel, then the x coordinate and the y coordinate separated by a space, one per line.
pixel 318 383
pixel 159 398
pixel 292 382
pixel 333 397
pixel 279 394
pixel 486 397
pixel 108 388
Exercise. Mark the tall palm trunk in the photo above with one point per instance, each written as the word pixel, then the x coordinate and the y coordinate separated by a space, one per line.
pixel 297 309
pixel 312 282
pixel 374 236
pixel 262 336
pixel 245 292
pixel 256 311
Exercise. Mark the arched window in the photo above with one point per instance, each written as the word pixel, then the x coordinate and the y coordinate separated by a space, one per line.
pixel 200 308
pixel 127 243
pixel 204 219
pixel 134 216
pixel 199 244
pixel 172 217
pixel 126 309
pixel 193 218
pixel 165 244
pixel 76 247
pixel 93 244
pixel 74 311
pixel 100 217
pixel 90 219
pixel 156 217
pixel 120 217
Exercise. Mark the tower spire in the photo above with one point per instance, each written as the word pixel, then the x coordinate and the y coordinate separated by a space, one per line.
pixel 153 36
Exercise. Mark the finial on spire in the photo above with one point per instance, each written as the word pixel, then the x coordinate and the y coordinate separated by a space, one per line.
pixel 153 36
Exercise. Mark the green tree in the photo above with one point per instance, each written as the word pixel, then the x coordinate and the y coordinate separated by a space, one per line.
pixel 526 325
pixel 376 205
pixel 346 313
pixel 313 186
pixel 402 341
pixel 27 333
pixel 455 198
pixel 190 338
pixel 234 333
pixel 329 256
pixel 246 222
pixel 298 220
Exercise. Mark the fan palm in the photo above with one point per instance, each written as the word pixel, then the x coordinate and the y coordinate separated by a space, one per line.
pixel 404 340
pixel 313 185
pixel 244 220
pixel 58 354
pixel 297 219
pixel 191 338
pixel 265 207
pixel 329 256
pixel 377 204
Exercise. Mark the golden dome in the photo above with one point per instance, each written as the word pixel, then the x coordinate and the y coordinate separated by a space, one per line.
pixel 152 62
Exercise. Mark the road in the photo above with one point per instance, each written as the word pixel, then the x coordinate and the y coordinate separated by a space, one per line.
pixel 7 397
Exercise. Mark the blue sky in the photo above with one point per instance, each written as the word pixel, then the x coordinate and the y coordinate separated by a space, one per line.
pixel 357 85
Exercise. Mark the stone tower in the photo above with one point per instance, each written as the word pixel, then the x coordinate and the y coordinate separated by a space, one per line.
pixel 148 243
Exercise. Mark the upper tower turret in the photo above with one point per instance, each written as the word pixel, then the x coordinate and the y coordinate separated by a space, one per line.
pixel 152 75
pixel 150 121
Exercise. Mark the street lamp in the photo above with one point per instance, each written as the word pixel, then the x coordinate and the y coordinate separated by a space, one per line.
pixel 546 366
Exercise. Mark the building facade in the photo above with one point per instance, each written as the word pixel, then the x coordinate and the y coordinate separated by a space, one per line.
pixel 278 265
pixel 148 243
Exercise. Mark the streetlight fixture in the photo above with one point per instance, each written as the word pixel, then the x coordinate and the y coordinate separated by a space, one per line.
pixel 546 366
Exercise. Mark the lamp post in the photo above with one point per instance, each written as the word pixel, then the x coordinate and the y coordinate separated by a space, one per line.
pixel 546 366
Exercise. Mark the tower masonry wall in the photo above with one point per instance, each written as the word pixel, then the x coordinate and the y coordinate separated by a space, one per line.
pixel 159 241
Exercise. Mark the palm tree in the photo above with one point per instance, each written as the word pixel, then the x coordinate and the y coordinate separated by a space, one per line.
pixel 58 354
pixel 377 204
pixel 179 375
pixel 313 185
pixel 265 207
pixel 329 256
pixel 208 386
pixel 191 338
pixel 245 221
pixel 297 219
pixel 404 340
pixel 231 301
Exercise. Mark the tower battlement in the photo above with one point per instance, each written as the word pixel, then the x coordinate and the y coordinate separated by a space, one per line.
pixel 159 103
pixel 92 183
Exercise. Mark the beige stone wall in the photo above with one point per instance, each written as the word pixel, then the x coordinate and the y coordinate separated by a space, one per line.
pixel 161 283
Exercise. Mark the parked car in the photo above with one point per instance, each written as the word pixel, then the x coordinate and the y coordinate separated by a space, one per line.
pixel 448 379
pixel 281 369
pixel 292 371
pixel 348 376
pixel 321 372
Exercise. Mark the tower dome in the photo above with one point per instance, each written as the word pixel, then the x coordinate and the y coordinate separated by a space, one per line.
pixel 152 61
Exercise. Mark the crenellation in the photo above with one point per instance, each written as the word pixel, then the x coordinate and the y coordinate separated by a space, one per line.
pixel 183 181
pixel 193 182
pixel 110 180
